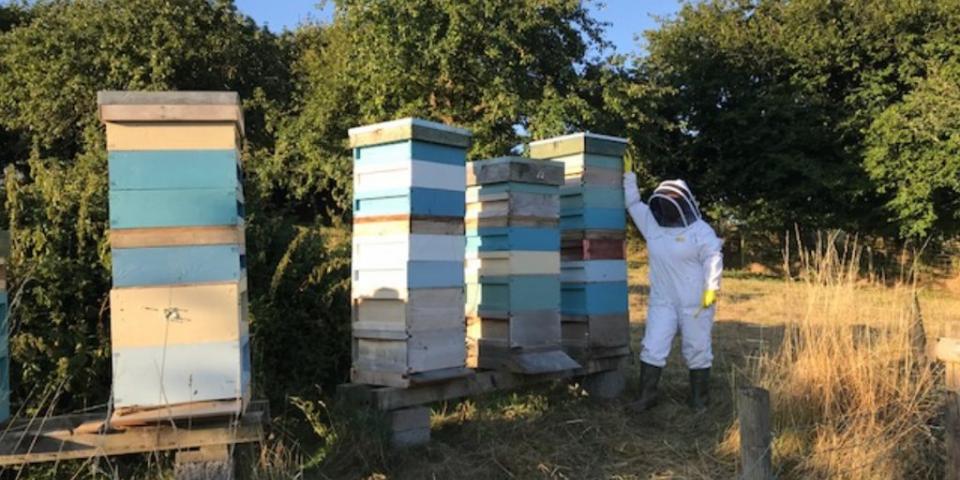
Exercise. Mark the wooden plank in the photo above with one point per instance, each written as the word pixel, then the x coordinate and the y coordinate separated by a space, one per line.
pixel 137 267
pixel 494 239
pixel 174 169
pixel 515 169
pixel 585 196
pixel 49 442
pixel 155 376
pixel 578 165
pixel 132 417
pixel 141 136
pixel 756 437
pixel 580 250
pixel 951 426
pixel 597 330
pixel 404 380
pixel 521 330
pixel 479 383
pixel 177 236
pixel 594 176
pixel 497 355
pixel 404 152
pixel 421 351
pixel 415 173
pixel 578 143
pixel 423 310
pixel 512 221
pixel 521 204
pixel 181 97
pixel 406 224
pixel 175 208
pixel 593 271
pixel 394 282
pixel 386 251
pixel 593 218
pixel 179 315
pixel 585 353
pixel 409 128
pixel 173 113
pixel 513 294
pixel 516 262
pixel 593 234
pixel 205 463
pixel 415 201
pixel 599 298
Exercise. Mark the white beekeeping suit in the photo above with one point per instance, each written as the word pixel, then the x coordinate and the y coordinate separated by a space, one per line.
pixel 685 267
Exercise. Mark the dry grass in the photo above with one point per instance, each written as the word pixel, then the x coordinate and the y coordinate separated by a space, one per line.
pixel 853 392
pixel 852 397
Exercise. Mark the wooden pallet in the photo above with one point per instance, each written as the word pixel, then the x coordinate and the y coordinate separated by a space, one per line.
pixel 478 383
pixel 82 436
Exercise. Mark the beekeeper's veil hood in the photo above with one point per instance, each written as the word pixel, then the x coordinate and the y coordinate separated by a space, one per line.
pixel 673 204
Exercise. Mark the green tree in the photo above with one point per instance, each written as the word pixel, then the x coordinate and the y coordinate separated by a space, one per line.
pixel 914 153
pixel 494 67
pixel 766 103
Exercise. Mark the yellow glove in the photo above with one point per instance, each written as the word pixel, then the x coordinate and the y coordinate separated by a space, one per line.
pixel 709 298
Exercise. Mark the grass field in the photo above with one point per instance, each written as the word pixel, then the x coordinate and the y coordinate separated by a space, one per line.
pixel 851 400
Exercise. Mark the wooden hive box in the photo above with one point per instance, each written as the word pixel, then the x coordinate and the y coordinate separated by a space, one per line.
pixel 593 269
pixel 180 344
pixel 512 269
pixel 179 327
pixel 408 252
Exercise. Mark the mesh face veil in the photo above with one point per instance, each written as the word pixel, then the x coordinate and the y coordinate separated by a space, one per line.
pixel 673 205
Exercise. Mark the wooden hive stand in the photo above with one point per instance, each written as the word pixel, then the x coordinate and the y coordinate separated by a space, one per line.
pixel 203 446
pixel 407 409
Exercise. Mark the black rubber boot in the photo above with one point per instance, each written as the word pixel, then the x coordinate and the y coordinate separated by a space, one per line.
pixel 649 378
pixel 699 389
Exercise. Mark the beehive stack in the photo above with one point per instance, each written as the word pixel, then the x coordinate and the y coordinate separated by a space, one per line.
pixel 179 329
pixel 408 250
pixel 594 301
pixel 4 329
pixel 513 266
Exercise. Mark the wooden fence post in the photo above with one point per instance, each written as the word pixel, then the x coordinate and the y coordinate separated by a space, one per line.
pixel 948 351
pixel 755 433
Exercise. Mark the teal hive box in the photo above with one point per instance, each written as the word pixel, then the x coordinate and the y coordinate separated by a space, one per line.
pixel 594 294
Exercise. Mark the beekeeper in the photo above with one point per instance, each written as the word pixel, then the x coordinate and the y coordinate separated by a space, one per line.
pixel 685 268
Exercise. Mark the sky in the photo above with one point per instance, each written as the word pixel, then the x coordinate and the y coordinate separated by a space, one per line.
pixel 626 17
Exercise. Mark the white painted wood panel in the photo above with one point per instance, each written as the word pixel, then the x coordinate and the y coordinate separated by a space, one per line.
pixel 393 251
pixel 406 174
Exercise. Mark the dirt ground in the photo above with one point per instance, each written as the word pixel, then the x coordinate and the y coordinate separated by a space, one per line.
pixel 556 431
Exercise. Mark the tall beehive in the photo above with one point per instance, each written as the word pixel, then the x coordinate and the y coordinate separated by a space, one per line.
pixel 408 250
pixel 179 330
pixel 513 266
pixel 4 329
pixel 596 321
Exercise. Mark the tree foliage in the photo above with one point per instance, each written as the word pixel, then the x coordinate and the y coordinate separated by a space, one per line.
pixel 767 103
pixel 494 67
pixel 914 153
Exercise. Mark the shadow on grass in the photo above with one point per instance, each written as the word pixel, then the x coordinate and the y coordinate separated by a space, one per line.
pixel 555 430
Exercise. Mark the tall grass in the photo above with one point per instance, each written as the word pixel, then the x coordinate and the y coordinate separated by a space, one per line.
pixel 852 391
